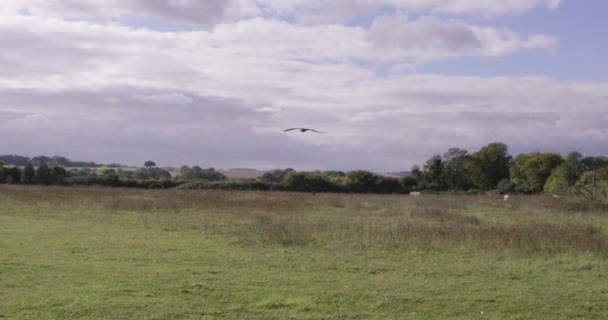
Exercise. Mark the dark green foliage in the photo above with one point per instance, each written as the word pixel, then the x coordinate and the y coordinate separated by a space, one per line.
pixel 29 174
pixel 565 176
pixel 3 172
pixel 43 175
pixel 151 173
pixel 408 184
pixel 13 175
pixel 116 181
pixel 458 168
pixel 530 172
pixel 307 182
pixel 275 176
pixel 366 182
pixel 388 185
pixel 360 181
pixel 456 171
pixel 58 175
pixel 491 165
pixel 598 177
pixel 594 163
pixel 433 173
pixel 416 173
pixel 197 173
pixel 506 186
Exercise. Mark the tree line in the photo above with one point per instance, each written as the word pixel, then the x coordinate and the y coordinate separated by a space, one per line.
pixel 457 170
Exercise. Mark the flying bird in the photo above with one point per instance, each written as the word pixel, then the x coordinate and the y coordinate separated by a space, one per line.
pixel 303 130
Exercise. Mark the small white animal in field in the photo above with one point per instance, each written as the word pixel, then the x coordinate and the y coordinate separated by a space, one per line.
pixel 414 194
pixel 302 130
pixel 505 197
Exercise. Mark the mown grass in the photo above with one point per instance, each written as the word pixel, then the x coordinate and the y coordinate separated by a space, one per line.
pixel 93 253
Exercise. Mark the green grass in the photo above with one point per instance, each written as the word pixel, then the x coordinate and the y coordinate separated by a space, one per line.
pixel 92 253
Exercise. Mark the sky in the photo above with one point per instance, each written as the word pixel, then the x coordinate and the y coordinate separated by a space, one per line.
pixel 214 83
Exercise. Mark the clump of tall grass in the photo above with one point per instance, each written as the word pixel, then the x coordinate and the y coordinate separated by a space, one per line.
pixel 443 215
pixel 549 238
pixel 281 230
pixel 141 204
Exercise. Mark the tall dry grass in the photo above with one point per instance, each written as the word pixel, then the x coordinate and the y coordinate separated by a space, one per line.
pixel 524 223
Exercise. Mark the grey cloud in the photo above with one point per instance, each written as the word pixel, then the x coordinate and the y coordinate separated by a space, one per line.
pixel 115 125
pixel 222 98
pixel 426 33
pixel 429 39
pixel 205 13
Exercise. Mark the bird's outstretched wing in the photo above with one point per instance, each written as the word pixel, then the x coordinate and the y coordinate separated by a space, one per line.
pixel 315 131
pixel 291 129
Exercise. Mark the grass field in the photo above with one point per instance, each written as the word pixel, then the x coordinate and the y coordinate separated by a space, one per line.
pixel 92 253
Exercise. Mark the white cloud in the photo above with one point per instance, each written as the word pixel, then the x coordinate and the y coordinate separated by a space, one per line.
pixel 430 39
pixel 222 96
pixel 328 11
pixel 210 12
pixel 204 13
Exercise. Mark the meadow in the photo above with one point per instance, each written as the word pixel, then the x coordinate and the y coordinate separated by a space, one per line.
pixel 100 253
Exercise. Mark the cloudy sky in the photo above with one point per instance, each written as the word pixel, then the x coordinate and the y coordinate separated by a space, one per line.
pixel 215 82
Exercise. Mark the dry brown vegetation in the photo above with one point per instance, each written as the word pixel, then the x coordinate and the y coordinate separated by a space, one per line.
pixel 525 224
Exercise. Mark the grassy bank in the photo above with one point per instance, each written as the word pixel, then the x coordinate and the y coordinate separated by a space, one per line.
pixel 91 253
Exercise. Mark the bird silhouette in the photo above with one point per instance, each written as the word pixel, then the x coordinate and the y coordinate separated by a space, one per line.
pixel 303 130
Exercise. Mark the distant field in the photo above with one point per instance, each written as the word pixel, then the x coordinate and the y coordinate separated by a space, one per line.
pixel 94 253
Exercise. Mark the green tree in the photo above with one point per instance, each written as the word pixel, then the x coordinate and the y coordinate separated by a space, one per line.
pixel 149 164
pixel 58 175
pixel 295 181
pixel 360 181
pixel 151 173
pixel 457 169
pixel 3 172
pixel 185 173
pixel 28 174
pixel 595 179
pixel 530 173
pixel 275 176
pixel 13 175
pixel 141 173
pixel 198 173
pixel 594 163
pixel 416 173
pixel 408 184
pixel 491 165
pixel 517 173
pixel 307 182
pixel 565 176
pixel 43 174
pixel 433 173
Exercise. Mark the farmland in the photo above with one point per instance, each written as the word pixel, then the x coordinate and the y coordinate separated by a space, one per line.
pixel 90 253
